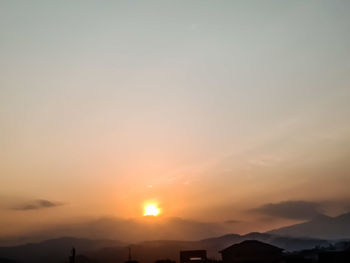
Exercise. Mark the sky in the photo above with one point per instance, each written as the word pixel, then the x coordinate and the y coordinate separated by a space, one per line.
pixel 217 111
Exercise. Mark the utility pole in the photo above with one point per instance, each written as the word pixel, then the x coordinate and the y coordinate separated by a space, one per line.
pixel 72 257
pixel 129 258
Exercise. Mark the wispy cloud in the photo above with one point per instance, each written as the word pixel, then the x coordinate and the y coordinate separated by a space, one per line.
pixel 291 209
pixel 36 205
pixel 231 221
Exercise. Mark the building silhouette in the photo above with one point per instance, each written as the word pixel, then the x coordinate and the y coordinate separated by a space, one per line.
pixel 193 256
pixel 252 251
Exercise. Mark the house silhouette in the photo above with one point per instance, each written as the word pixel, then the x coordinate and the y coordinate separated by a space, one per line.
pixel 252 251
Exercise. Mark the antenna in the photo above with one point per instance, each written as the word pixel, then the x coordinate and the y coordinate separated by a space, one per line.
pixel 129 253
pixel 72 257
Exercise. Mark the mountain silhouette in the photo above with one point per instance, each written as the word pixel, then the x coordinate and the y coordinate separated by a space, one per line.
pixel 322 226
pixel 127 230
pixel 166 239
pixel 57 250
pixel 54 250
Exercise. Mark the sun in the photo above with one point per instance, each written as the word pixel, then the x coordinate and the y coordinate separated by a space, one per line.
pixel 151 210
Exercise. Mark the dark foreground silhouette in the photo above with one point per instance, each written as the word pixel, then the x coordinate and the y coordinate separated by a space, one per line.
pixel 247 251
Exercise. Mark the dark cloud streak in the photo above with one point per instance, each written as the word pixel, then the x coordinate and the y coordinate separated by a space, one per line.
pixel 291 209
pixel 232 221
pixel 36 205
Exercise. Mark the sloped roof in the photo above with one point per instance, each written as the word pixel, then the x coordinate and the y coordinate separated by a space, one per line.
pixel 252 245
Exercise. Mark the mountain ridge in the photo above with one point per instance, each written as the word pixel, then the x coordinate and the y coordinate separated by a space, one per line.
pixel 57 250
pixel 323 227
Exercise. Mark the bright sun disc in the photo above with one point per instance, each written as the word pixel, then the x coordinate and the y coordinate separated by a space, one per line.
pixel 151 210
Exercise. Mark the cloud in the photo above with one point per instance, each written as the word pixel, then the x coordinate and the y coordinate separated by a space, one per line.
pixel 291 209
pixel 36 205
pixel 231 221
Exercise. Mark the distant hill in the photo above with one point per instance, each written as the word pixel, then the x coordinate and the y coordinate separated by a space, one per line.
pixel 108 251
pixel 139 229
pixel 101 246
pixel 54 250
pixel 323 227
pixel 129 230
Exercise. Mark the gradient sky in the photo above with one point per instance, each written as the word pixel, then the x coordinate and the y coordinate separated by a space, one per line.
pixel 217 110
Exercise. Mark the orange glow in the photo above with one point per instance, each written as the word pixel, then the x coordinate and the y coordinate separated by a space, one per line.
pixel 151 210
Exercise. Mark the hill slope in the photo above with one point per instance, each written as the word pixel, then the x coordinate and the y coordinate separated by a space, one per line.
pixel 323 227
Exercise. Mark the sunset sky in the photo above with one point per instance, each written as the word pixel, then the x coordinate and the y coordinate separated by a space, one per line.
pixel 217 111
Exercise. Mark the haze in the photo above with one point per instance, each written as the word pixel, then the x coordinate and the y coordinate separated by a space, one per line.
pixel 234 112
